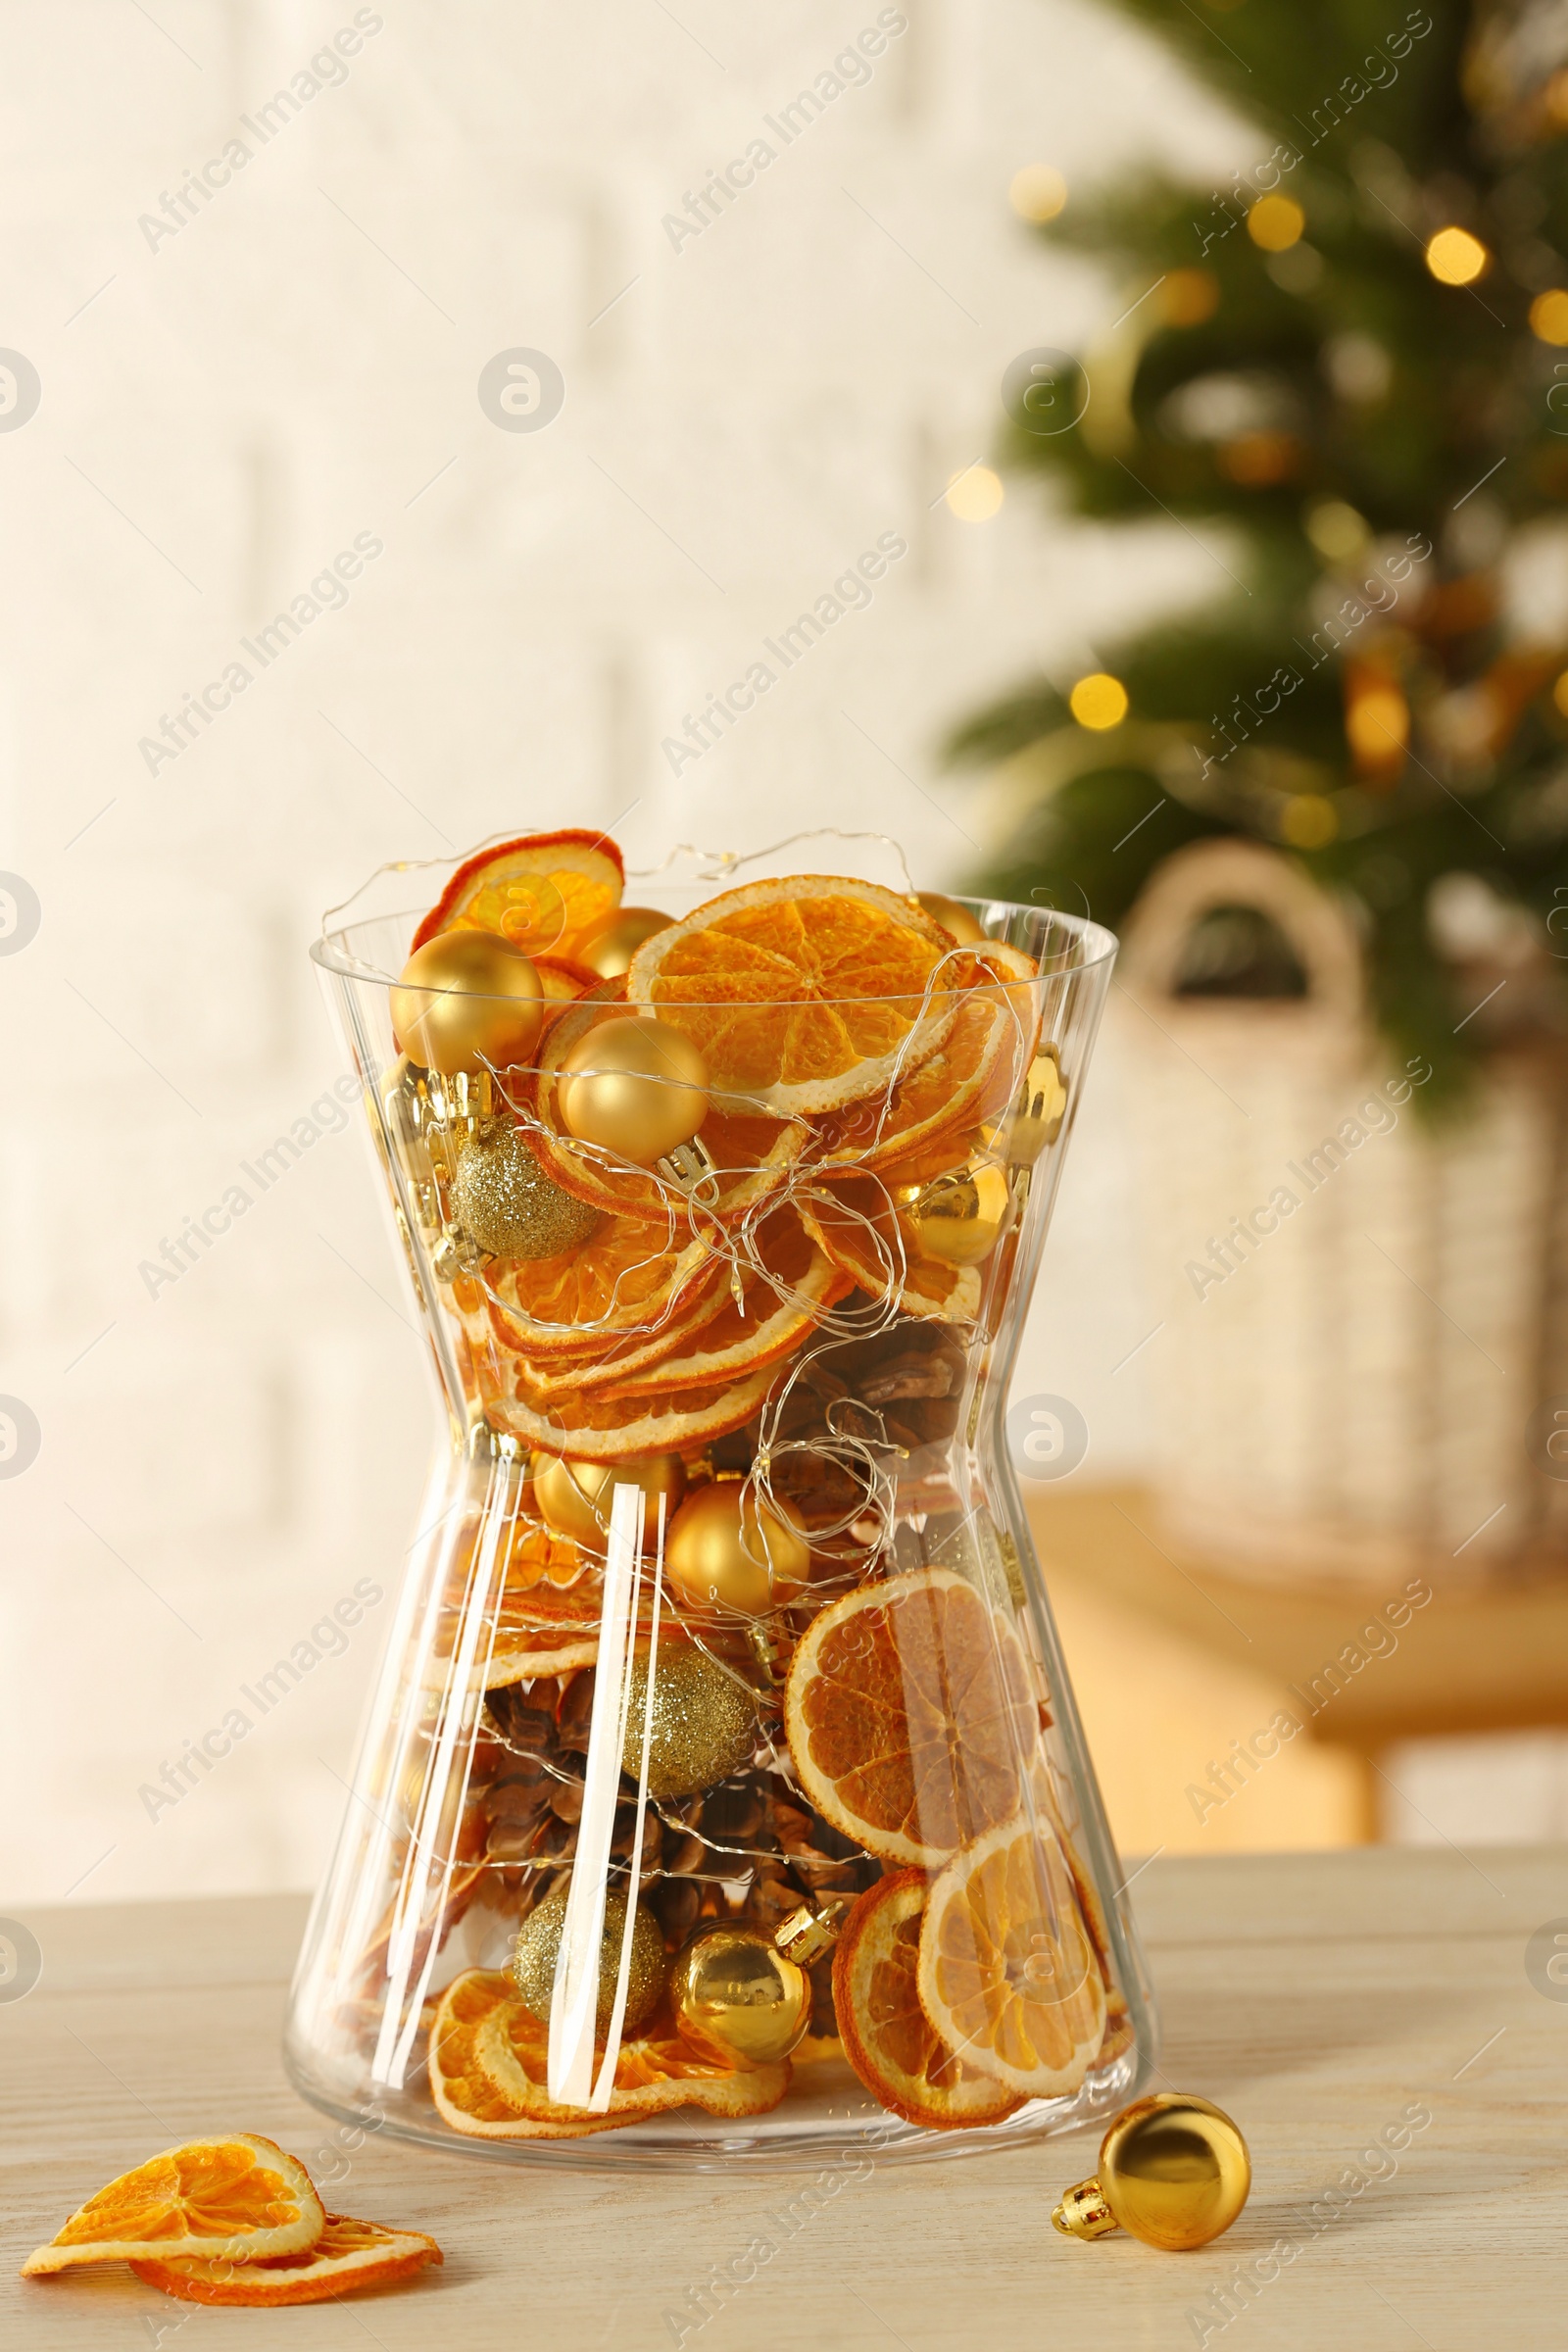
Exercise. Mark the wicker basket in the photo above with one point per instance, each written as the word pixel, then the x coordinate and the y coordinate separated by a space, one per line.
pixel 1352 1385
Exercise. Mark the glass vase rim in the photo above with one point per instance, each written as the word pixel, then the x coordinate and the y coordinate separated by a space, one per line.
pixel 1091 946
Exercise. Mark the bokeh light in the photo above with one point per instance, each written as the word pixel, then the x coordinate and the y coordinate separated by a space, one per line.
pixel 1308 821
pixel 1456 258
pixel 975 494
pixel 1275 222
pixel 1038 192
pixel 1549 315
pixel 1098 701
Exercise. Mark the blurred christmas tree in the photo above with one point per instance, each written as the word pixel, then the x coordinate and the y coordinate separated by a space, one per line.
pixel 1346 376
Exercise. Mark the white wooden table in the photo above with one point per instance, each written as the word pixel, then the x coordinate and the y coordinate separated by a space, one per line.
pixel 1316 1997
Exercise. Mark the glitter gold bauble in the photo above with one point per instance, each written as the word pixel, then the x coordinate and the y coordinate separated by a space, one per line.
pixel 739 2001
pixel 636 1088
pixel 466 998
pixel 1173 2171
pixel 505 1202
pixel 952 915
pixel 703 1725
pixel 723 1551
pixel 577 1497
pixel 609 947
pixel 532 1966
pixel 959 1216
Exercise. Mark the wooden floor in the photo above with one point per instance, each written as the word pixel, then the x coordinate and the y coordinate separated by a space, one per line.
pixel 1325 2001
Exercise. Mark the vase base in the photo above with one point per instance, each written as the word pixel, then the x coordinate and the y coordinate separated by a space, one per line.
pixel 829 2120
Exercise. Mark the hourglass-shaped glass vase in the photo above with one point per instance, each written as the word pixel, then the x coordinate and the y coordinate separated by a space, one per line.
pixel 722 1796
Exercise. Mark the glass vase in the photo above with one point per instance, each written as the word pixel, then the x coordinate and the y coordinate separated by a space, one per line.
pixel 565 1712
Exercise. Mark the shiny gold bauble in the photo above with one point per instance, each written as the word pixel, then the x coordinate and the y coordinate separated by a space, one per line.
pixel 738 2001
pixel 703 1722
pixel 577 1497
pixel 952 915
pixel 959 1216
pixel 635 1088
pixel 505 1202
pixel 609 947
pixel 1173 2171
pixel 466 998
pixel 532 1966
pixel 723 1552
pixel 1034 1118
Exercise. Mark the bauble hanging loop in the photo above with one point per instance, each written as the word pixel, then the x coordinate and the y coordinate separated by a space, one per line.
pixel 1174 2171
pixel 739 1999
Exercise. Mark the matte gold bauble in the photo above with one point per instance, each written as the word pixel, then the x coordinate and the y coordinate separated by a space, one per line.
pixel 577 1497
pixel 636 1088
pixel 739 2001
pixel 505 1202
pixel 466 998
pixel 609 947
pixel 726 1553
pixel 532 1966
pixel 1034 1118
pixel 703 1722
pixel 1173 2171
pixel 952 915
pixel 959 1216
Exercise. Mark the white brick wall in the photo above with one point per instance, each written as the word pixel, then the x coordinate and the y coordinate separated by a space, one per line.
pixel 219 417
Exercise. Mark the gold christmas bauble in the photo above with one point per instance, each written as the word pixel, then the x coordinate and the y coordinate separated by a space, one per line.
pixel 466 998
pixel 738 1999
pixel 952 915
pixel 726 1553
pixel 1035 1116
pixel 1173 2171
pixel 635 1088
pixel 703 1722
pixel 577 1497
pixel 959 1216
pixel 532 1966
pixel 609 947
pixel 505 1202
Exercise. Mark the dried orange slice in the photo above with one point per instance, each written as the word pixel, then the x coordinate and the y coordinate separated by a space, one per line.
pixel 972 1076
pixel 854 1220
pixel 626 1277
pixel 489 2061
pixel 465 2097
pixel 1007 1974
pixel 751 1152
pixel 910 1716
pixel 611 1429
pixel 233 2197
pixel 798 1285
pixel 888 2039
pixel 562 980
pixel 347 2256
pixel 803 994
pixel 542 891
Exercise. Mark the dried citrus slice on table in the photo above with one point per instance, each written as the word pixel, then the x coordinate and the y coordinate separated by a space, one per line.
pixel 751 1152
pixel 1007 1974
pixel 234 2196
pixel 910 1717
pixel 861 1229
pixel 803 994
pixel 543 891
pixel 888 2039
pixel 348 2255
